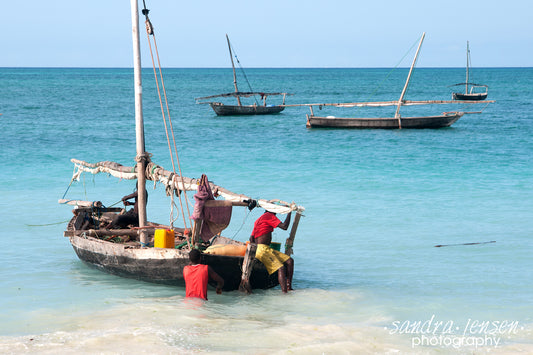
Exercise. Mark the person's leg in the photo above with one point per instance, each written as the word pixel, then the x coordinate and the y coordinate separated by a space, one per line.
pixel 282 278
pixel 289 266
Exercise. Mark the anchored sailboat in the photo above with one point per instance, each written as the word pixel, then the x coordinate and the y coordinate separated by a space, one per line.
pixel 258 108
pixel 435 121
pixel 129 251
pixel 473 91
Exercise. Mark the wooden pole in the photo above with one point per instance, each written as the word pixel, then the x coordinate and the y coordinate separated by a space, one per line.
pixel 196 228
pixel 247 264
pixel 290 241
pixel 467 65
pixel 105 232
pixel 139 124
pixel 233 66
pixel 397 114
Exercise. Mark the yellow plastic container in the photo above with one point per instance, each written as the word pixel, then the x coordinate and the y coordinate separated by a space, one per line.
pixel 164 238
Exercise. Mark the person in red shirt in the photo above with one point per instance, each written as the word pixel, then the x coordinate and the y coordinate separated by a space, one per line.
pixel 273 259
pixel 197 275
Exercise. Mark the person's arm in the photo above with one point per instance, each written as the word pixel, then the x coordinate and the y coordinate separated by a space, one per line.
pixel 129 197
pixel 220 281
pixel 285 224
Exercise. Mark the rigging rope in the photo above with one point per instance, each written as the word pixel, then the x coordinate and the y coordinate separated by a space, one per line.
pixel 150 32
pixel 388 75
pixel 243 73
pixel 74 176
pixel 414 65
pixel 47 224
pixel 246 214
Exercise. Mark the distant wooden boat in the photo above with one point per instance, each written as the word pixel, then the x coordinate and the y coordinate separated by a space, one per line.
pixel 257 108
pixel 473 91
pixel 445 119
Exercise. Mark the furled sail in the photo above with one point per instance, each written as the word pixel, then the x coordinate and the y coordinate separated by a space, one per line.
pixel 173 182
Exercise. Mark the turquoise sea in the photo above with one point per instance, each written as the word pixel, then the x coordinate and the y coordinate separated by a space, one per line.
pixel 368 276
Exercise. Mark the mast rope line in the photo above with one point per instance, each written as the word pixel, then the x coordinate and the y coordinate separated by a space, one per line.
pixel 482 109
pixel 414 65
pixel 243 73
pixel 388 75
pixel 246 214
pixel 47 224
pixel 150 32
pixel 75 176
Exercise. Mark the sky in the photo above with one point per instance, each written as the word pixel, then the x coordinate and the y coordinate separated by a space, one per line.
pixel 273 33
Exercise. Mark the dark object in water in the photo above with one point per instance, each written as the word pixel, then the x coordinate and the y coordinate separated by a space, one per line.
pixel 452 245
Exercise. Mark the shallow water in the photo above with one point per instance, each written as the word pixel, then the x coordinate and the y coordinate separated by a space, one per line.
pixel 377 202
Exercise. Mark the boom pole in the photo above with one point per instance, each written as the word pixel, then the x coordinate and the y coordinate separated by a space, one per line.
pixel 400 101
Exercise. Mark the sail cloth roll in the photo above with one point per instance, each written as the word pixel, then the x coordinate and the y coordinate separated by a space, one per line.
pixel 109 167
pixel 173 181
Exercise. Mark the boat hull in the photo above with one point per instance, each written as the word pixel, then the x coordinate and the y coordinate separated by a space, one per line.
pixel 234 110
pixel 440 121
pixel 472 97
pixel 163 265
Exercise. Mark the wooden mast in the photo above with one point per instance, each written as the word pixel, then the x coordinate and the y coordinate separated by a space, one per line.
pixel 467 65
pixel 400 101
pixel 139 124
pixel 234 74
pixel 290 241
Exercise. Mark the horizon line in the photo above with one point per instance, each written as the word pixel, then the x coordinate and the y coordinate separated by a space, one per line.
pixel 402 67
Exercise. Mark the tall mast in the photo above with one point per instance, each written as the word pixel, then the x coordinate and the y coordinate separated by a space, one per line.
pixel 233 66
pixel 467 65
pixel 397 114
pixel 139 124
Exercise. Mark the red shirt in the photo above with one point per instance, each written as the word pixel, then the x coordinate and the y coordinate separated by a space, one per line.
pixel 265 224
pixel 196 277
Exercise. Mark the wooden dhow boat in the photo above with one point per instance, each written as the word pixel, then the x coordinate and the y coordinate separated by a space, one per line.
pixel 445 119
pixel 472 91
pixel 136 252
pixel 259 107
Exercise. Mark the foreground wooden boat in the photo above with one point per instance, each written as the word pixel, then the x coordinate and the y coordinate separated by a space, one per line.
pixel 133 252
pixel 473 91
pixel 121 253
pixel 445 119
pixel 257 108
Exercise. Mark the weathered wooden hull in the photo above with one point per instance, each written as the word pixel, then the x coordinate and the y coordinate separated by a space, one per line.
pixel 444 120
pixel 234 110
pixel 472 97
pixel 162 265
